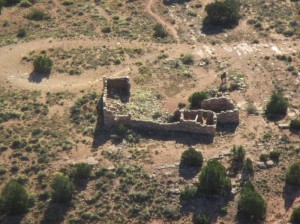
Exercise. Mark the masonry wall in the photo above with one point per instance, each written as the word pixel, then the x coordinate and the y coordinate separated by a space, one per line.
pixel 231 116
pixel 122 83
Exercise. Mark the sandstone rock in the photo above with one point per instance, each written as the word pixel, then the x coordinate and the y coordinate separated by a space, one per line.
pixel 284 126
pixel 270 163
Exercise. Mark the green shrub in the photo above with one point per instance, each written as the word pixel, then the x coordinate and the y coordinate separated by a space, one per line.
pixel 187 59
pixel 37 15
pixel 264 157
pixel 277 105
pixel 222 13
pixel 82 171
pixel 295 217
pixel 191 157
pixel 42 64
pixel 251 204
pixel 213 179
pixel 196 98
pixel 238 155
pixel 14 199
pixel 159 31
pixel 295 125
pixel 293 174
pixel 62 189
pixel 188 192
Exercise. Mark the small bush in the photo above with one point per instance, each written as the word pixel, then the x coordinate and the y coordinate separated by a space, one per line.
pixel 191 157
pixel 295 217
pixel 187 59
pixel 62 189
pixel 25 3
pixel 238 155
pixel 251 204
pixel 277 105
pixel 122 130
pixel 295 125
pixel 159 31
pixel 14 199
pixel 188 192
pixel 22 32
pixel 37 15
pixel 222 13
pixel 200 219
pixel 251 108
pixel 293 174
pixel 274 155
pixel 106 29
pixel 42 64
pixel 82 171
pixel 196 98
pixel 248 166
pixel 264 157
pixel 213 179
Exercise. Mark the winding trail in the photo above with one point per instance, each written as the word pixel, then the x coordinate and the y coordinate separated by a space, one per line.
pixel 157 17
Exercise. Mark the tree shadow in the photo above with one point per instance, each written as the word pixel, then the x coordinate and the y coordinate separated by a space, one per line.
pixel 290 193
pixel 209 29
pixel 243 220
pixel 188 173
pixel 55 213
pixel 11 219
pixel 210 206
pixel 275 117
pixel 36 77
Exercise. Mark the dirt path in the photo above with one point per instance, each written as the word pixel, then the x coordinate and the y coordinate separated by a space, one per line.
pixel 157 17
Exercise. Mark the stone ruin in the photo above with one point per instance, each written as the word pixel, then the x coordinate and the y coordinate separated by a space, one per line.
pixel 213 112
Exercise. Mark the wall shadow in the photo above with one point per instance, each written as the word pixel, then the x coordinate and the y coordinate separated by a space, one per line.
pixel 36 77
pixel 290 193
pixel 227 128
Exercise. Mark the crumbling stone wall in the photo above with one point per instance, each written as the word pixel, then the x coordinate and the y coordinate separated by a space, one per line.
pixel 204 121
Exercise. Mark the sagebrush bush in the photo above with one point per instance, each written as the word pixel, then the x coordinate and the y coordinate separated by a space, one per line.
pixel 191 157
pixel 251 204
pixel 277 105
pixel 159 31
pixel 22 32
pixel 82 171
pixel 37 15
pixel 213 179
pixel 62 189
pixel 187 59
pixel 295 217
pixel 222 13
pixel 42 64
pixel 14 199
pixel 293 174
pixel 196 98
